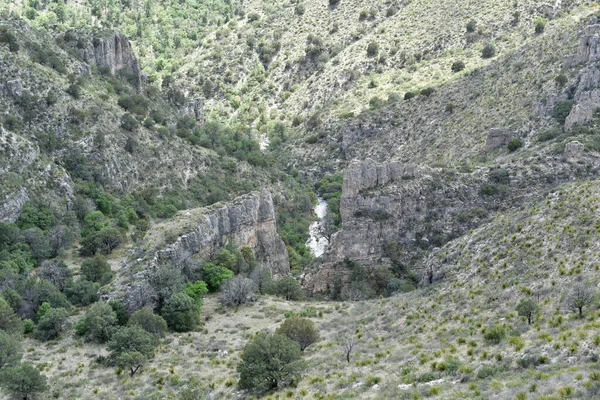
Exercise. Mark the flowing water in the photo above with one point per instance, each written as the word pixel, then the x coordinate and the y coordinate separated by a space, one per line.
pixel 318 242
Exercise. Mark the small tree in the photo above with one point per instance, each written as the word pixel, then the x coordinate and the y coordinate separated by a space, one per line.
pixel 269 362
pixel 494 335
pixel 196 290
pixel 540 25
pixel 101 322
pixel 96 269
pixel 9 321
pixel 579 297
pixel 10 350
pixel 180 312
pixel 471 26
pixel 131 346
pixel 51 325
pixel 82 292
pixel 150 322
pixel 349 343
pixel 23 381
pixel 561 110
pixel 237 291
pixel 488 51
pixel 528 308
pixel 288 288
pixel 301 330
pixel 120 312
pixel 166 280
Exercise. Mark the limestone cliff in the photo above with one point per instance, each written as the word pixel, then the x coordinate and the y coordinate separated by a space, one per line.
pixel 248 220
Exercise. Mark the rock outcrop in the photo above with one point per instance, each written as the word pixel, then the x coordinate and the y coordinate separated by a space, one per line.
pixel 11 205
pixel 112 50
pixel 497 137
pixel 587 95
pixel 406 207
pixel 246 221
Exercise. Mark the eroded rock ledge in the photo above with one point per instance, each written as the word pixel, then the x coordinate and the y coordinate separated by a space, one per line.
pixel 248 220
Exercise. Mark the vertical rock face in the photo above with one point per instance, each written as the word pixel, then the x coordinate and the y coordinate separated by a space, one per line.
pixel 587 95
pixel 113 51
pixel 409 207
pixel 247 221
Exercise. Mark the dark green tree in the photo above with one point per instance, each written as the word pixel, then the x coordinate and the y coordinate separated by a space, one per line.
pixel 528 308
pixel 24 381
pixel 180 312
pixel 131 347
pixel 101 322
pixel 213 274
pixel 300 330
pixel 288 288
pixel 51 325
pixel 10 350
pixel 149 321
pixel 96 269
pixel 9 321
pixel 269 362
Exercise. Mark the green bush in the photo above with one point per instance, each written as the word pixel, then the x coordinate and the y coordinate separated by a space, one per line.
pixel 373 49
pixel 488 51
pixel 51 325
pixel 180 312
pixel 100 321
pixel 10 350
pixel 494 335
pixel 74 90
pixel 82 292
pixel 9 320
pixel 24 381
pixel 540 25
pixel 427 91
pixel 8 36
pixel 213 274
pixel 458 66
pixel 514 144
pixel 561 110
pixel 409 95
pixel 269 362
pixel 129 123
pixel 300 330
pixel 96 269
pixel 471 26
pixel 130 347
pixel 288 288
pixel 150 322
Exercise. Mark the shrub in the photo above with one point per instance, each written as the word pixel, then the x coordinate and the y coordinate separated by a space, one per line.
pixel 540 25
pixel 373 49
pixel 391 11
pixel 253 17
pixel 528 309
pixel 409 95
pixel 10 350
pixel 74 90
pixel 363 15
pixel 288 288
pixel 23 381
pixel 334 3
pixel 103 241
pixel 471 26
pixel 213 274
pixel 7 36
pixel 101 322
pixel 196 290
pixel 375 103
pixel 269 362
pixel 514 144
pixel 237 291
pixel 488 51
pixel 494 335
pixel 96 269
pixel 82 292
pixel 561 110
pixel 427 91
pixel 150 322
pixel 51 325
pixel 180 312
pixel 120 312
pixel 458 66
pixel 300 330
pixel 561 80
pixel 129 123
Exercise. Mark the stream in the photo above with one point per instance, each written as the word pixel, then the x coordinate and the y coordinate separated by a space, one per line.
pixel 318 242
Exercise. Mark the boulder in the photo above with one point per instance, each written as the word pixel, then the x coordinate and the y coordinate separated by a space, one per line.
pixel 574 150
pixel 497 137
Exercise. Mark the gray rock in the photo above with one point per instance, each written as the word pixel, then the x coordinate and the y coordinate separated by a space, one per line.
pixel 497 137
pixel 10 208
pixel 15 87
pixel 249 220
pixel 574 150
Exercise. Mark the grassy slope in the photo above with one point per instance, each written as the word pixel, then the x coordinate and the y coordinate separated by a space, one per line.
pixel 405 342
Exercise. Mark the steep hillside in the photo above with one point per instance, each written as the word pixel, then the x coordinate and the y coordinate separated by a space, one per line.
pixel 160 162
